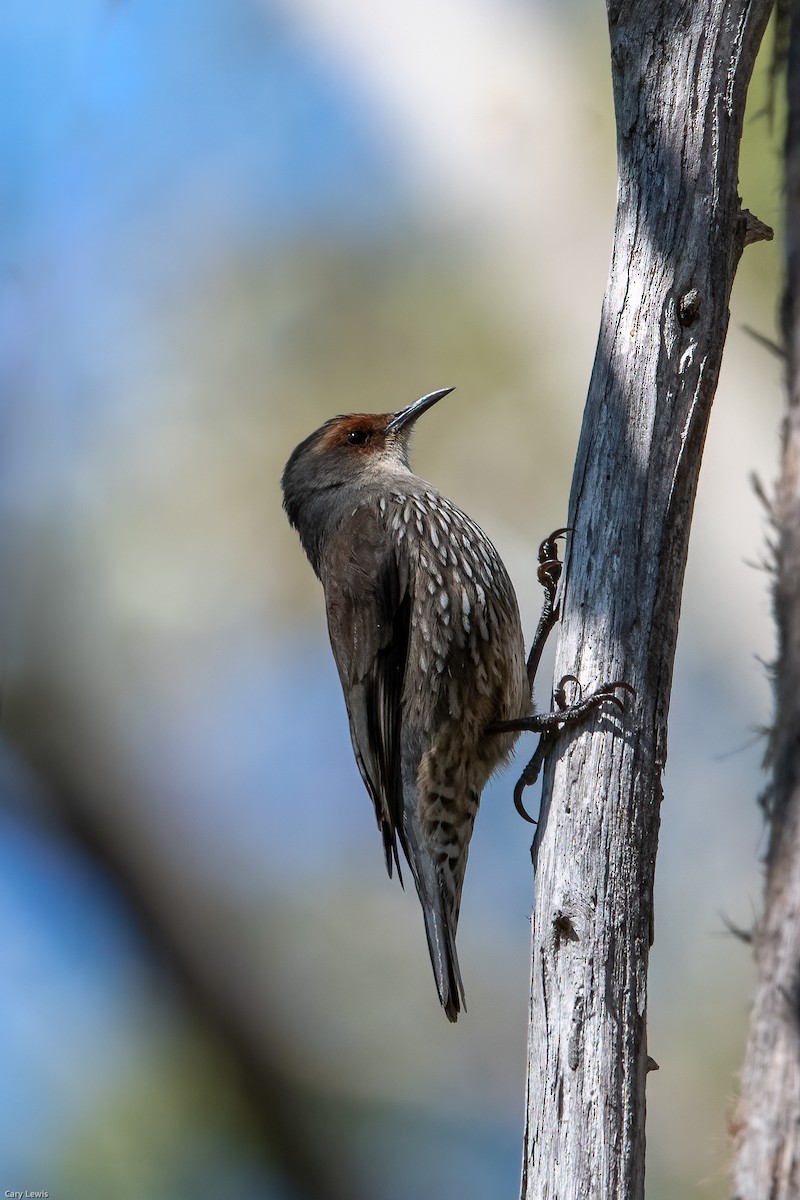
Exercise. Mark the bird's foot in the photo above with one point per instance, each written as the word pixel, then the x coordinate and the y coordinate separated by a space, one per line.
pixel 550 565
pixel 548 725
pixel 548 574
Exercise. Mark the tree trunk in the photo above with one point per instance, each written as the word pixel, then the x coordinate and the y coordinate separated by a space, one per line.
pixel 680 76
pixel 768 1120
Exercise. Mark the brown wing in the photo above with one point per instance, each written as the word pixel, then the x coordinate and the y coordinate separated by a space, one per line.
pixel 368 599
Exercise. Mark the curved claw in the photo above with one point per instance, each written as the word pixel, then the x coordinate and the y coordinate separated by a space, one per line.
pixel 518 805
pixel 606 692
pixel 560 696
pixel 528 778
pixel 547 548
pixel 549 571
pixel 571 713
pixel 550 565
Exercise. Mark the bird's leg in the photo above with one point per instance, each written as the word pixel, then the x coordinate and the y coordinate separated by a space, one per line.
pixel 549 574
pixel 530 775
pixel 564 714
pixel 548 725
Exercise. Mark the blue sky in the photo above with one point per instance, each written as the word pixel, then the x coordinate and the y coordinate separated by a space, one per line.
pixel 107 108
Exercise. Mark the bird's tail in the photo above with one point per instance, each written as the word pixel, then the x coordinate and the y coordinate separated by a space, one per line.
pixel 442 947
pixel 440 926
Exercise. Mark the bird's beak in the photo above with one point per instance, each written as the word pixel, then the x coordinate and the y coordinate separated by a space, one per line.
pixel 407 416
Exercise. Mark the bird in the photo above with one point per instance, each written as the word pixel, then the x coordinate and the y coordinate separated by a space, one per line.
pixel 425 630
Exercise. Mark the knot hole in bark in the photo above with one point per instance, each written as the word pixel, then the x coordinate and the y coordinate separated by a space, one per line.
pixel 563 929
pixel 689 307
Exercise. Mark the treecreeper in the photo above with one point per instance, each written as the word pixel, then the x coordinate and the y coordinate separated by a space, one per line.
pixel 425 629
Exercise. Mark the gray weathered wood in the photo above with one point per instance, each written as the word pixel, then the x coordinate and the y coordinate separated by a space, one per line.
pixel 767 1124
pixel 680 74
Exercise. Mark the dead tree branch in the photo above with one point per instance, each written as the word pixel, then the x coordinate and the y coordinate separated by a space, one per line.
pixel 680 76
pixel 768 1118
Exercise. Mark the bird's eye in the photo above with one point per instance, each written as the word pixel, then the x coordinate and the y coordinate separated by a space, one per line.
pixel 357 437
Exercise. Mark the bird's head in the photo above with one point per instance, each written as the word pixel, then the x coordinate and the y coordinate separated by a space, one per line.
pixel 350 451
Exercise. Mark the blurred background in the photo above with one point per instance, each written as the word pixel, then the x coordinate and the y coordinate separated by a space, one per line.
pixel 224 221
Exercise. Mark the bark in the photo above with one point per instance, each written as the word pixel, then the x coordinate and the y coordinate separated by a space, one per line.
pixel 680 77
pixel 767 1125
